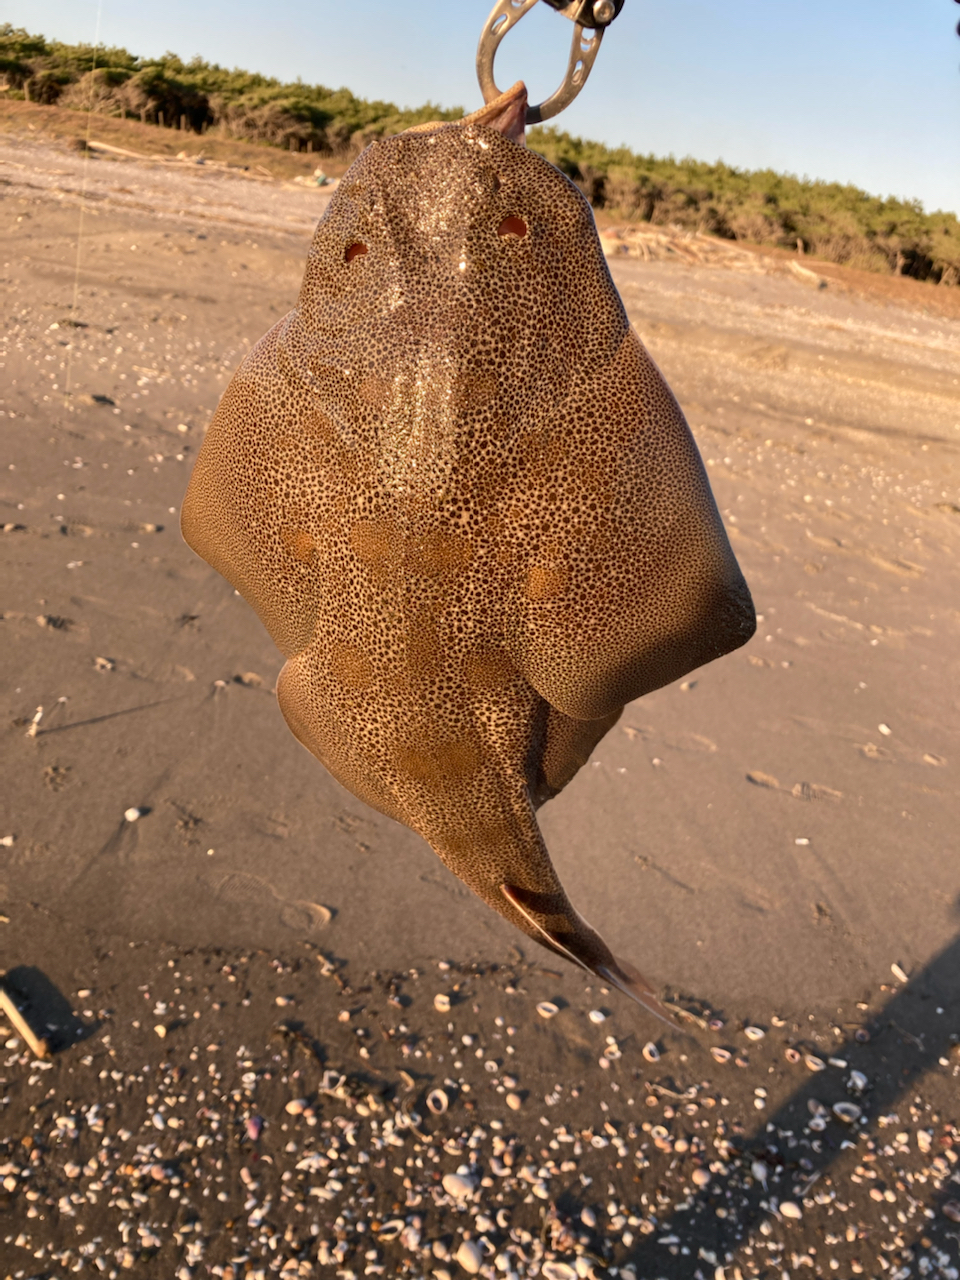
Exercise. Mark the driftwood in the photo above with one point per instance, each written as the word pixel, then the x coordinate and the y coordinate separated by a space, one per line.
pixel 652 244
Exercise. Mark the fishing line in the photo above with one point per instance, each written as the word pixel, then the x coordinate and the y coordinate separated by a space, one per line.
pixel 34 729
pixel 83 197
pixel 74 306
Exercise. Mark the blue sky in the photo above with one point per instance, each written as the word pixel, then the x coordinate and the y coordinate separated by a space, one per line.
pixel 861 91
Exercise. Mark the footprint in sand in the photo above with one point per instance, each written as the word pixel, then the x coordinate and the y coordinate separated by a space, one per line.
pixel 799 790
pixel 813 791
pixel 764 780
pixel 690 742
pixel 274 825
pixel 756 661
pixel 678 741
pixel 870 751
pixel 242 889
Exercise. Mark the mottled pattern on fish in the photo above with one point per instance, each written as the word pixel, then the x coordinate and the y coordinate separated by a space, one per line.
pixel 467 508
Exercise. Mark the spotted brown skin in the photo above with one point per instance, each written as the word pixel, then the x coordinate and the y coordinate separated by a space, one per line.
pixel 466 506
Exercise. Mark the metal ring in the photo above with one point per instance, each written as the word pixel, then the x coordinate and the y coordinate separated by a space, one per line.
pixel 583 52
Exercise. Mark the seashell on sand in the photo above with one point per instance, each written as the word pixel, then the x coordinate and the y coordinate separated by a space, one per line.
pixel 754 1033
pixel 597 1015
pixel 460 1186
pixel 437 1101
pixel 547 1009
pixel 441 1002
pixel 813 1062
pixel 612 1052
pixel 847 1111
pixel 790 1209
pixel 651 1052
pixel 721 1055
pixel 390 1230
pixel 470 1256
pixel 558 1271
pixel 792 1055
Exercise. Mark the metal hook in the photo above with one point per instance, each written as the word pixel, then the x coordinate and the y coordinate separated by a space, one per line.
pixel 590 18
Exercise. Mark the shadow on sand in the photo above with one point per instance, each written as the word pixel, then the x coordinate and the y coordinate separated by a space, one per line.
pixel 46 1010
pixel 907 1038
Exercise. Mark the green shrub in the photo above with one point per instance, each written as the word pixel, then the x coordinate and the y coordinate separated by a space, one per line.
pixel 830 220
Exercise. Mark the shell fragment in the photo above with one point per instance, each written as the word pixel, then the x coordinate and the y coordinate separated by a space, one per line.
pixel 847 1111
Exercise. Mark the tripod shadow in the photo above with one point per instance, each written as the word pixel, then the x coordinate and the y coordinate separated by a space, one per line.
pixel 907 1038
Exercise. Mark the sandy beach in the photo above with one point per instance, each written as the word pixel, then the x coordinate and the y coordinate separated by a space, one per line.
pixel 764 840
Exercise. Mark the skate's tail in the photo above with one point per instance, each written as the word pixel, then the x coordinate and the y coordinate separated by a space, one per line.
pixel 582 945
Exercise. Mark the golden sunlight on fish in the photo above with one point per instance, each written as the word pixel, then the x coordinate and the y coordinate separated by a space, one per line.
pixel 467 507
